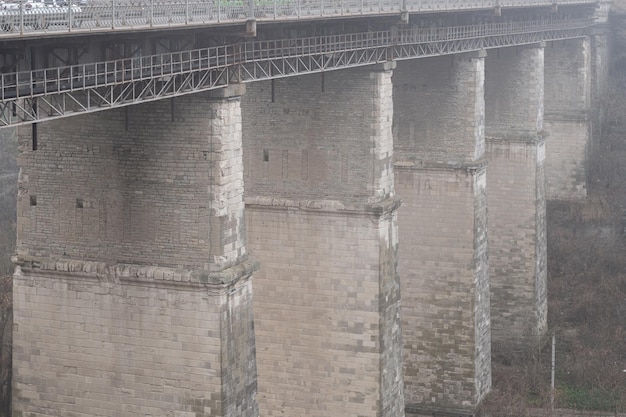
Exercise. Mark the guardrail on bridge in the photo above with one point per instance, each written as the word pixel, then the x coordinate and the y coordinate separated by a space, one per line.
pixel 105 15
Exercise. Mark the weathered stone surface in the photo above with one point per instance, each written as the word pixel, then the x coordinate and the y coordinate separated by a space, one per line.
pixel 439 109
pixel 133 292
pixel 568 121
pixel 517 241
pixel 514 96
pixel 514 92
pixel 445 290
pixel 322 221
pixel 320 145
pixel 86 345
pixel 441 178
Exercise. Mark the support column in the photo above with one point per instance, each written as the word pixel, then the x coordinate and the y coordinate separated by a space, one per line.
pixel 132 291
pixel 517 203
pixel 441 179
pixel 599 66
pixel 567 118
pixel 322 215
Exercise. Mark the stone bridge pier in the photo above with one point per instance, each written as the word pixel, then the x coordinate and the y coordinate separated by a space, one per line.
pixel 322 216
pixel 568 117
pixel 514 100
pixel 132 292
pixel 441 178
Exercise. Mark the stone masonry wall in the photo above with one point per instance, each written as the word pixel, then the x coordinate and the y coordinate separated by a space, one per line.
pixel 567 149
pixel 321 215
pixel 567 78
pixel 96 344
pixel 439 144
pixel 108 187
pixel 429 97
pixel 316 144
pixel 514 76
pixel 517 256
pixel 568 120
pixel 445 290
pixel 514 95
pixel 327 312
pixel 132 288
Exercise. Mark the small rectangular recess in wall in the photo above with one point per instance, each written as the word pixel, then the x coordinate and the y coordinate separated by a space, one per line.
pixel 79 203
pixel 34 135
pixel 266 155
pixel 33 200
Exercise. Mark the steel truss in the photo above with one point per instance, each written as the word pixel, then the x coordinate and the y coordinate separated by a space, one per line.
pixel 27 97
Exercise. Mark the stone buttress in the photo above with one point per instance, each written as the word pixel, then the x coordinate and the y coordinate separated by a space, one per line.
pixel 441 179
pixel 567 117
pixel 321 212
pixel 132 290
pixel 517 201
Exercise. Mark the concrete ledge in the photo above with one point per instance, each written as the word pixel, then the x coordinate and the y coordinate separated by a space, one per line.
pixel 521 139
pixel 581 116
pixel 422 410
pixel 333 206
pixel 116 273
pixel 414 163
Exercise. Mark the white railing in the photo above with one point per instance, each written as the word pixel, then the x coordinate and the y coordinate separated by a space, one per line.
pixel 89 15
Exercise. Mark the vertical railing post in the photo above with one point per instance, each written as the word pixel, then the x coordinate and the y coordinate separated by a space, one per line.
pixel 219 10
pixel 70 23
pixel 21 17
pixel 187 12
pixel 112 14
pixel 151 12
pixel 250 9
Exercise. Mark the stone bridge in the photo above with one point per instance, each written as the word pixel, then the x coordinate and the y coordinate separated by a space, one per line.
pixel 313 209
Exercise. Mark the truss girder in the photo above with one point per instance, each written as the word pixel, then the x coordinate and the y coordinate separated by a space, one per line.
pixel 51 93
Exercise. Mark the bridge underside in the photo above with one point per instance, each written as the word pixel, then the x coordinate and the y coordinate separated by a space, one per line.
pixel 366 164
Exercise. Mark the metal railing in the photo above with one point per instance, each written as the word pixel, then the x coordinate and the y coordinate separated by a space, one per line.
pixel 110 15
pixel 30 96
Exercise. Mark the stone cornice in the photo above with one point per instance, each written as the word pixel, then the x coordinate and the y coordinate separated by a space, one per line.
pixel 140 274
